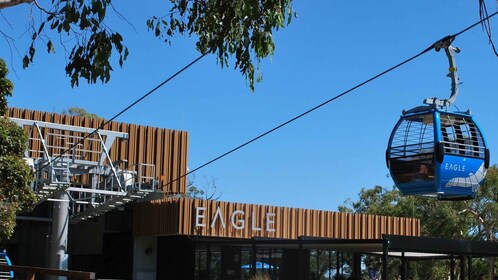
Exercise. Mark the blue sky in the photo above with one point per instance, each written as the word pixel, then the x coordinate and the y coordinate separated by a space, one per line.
pixel 318 161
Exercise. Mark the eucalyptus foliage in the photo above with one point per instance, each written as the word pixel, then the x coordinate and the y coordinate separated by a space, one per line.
pixel 92 42
pixel 475 219
pixel 80 112
pixel 237 28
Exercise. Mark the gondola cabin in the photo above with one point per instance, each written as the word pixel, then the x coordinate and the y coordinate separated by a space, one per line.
pixel 437 153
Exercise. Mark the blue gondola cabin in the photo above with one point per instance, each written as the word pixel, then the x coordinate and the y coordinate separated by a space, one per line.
pixel 437 153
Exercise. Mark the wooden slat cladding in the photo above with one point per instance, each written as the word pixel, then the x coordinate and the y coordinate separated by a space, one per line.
pixel 166 149
pixel 184 216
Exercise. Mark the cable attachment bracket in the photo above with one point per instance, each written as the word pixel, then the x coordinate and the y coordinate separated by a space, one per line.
pixel 450 51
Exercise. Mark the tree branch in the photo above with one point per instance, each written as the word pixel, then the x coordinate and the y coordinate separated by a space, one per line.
pixel 10 3
pixel 40 7
pixel 11 43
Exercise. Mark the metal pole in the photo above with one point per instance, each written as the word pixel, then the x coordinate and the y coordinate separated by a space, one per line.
pixel 356 266
pixel 462 268
pixel 301 263
pixel 337 265
pixel 384 260
pixel 469 269
pixel 253 258
pixel 404 267
pixel 58 240
pixel 452 268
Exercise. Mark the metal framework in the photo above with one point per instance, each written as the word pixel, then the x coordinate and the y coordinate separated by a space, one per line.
pixel 76 161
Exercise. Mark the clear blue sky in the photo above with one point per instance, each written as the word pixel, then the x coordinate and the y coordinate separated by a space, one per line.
pixel 318 161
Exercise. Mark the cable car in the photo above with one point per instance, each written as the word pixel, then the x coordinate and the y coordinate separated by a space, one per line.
pixel 434 152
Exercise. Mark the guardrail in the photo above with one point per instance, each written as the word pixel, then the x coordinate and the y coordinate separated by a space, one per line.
pixel 31 271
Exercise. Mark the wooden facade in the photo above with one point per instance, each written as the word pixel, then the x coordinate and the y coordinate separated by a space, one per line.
pixel 164 148
pixel 185 216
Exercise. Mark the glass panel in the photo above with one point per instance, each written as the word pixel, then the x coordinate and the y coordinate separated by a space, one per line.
pixel 201 271
pixel 245 272
pixel 461 136
pixel 268 263
pixel 413 137
pixel 412 150
pixel 215 266
pixel 207 264
pixel 323 265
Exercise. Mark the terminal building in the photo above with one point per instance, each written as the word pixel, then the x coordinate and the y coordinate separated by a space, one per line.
pixel 113 202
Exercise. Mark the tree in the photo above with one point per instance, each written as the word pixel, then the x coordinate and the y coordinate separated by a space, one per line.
pixel 475 219
pixel 484 212
pixel 484 208
pixel 80 112
pixel 439 218
pixel 15 176
pixel 238 28
pixel 208 191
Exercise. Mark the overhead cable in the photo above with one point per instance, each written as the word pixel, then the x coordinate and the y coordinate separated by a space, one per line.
pixel 124 110
pixel 432 46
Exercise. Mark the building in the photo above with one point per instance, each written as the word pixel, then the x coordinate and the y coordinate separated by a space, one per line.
pixel 121 191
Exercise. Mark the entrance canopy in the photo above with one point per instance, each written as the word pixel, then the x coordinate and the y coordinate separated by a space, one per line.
pixel 406 248
pixel 393 245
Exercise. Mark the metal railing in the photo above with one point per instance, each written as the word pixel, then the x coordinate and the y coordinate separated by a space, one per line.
pixel 31 271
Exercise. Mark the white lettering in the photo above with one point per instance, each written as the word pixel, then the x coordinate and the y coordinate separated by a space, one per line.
pixel 253 222
pixel 216 215
pixel 199 217
pixel 237 220
pixel 455 167
pixel 270 220
pixel 240 223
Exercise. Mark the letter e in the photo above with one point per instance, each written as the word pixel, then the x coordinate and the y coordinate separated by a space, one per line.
pixel 270 220
pixel 199 217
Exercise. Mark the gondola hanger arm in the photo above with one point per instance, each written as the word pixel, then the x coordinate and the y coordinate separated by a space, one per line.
pixel 450 51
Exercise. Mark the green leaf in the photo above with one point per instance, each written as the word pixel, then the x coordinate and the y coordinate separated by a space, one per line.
pixel 41 27
pixel 54 24
pixel 31 53
pixel 50 47
pixel 25 62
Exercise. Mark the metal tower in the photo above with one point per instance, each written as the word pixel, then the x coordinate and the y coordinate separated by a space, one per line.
pixel 73 169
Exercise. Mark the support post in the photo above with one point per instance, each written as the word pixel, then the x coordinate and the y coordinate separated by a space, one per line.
pixel 404 266
pixel 462 268
pixel 58 239
pixel 337 265
pixel 301 265
pixel 384 259
pixel 356 266
pixel 253 258
pixel 469 266
pixel 452 268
